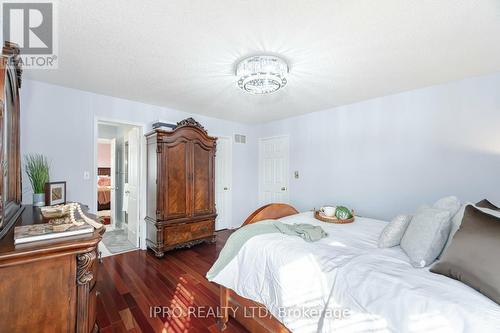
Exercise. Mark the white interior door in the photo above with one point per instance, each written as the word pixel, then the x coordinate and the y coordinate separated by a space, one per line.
pixel 112 172
pixel 132 185
pixel 223 177
pixel 273 170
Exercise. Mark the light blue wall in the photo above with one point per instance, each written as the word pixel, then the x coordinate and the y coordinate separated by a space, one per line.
pixel 391 154
pixel 59 123
pixel 382 157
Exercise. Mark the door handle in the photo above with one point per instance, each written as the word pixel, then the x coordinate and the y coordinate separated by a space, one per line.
pixel 283 188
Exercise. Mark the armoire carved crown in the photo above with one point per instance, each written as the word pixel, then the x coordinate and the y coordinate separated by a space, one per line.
pixel 190 122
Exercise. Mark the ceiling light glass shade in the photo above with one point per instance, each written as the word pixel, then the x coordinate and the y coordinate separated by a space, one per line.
pixel 262 74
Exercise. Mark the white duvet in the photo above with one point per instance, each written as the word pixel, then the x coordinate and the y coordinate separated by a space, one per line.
pixel 344 283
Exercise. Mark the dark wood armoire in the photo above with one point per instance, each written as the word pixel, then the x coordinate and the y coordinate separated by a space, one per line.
pixel 180 187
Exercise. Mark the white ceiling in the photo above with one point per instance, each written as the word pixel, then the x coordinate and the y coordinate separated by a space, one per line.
pixel 182 53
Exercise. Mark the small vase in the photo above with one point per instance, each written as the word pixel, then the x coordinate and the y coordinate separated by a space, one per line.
pixel 39 199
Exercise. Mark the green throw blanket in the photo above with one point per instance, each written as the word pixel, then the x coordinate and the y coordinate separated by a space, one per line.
pixel 234 243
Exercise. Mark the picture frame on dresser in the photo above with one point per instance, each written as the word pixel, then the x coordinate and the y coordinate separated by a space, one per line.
pixel 55 193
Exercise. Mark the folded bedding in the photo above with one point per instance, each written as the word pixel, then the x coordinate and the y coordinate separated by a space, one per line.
pixel 307 232
pixel 351 284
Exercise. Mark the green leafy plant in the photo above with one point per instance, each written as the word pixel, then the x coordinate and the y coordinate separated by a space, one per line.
pixel 343 213
pixel 37 169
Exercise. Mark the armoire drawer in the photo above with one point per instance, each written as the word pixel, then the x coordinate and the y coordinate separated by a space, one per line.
pixel 202 229
pixel 182 233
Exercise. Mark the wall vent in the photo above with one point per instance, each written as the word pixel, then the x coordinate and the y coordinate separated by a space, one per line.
pixel 240 138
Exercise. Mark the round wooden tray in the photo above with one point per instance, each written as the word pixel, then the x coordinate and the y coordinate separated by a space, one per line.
pixel 327 219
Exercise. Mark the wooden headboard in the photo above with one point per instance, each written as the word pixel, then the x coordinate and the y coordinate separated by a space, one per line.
pixel 103 171
pixel 271 211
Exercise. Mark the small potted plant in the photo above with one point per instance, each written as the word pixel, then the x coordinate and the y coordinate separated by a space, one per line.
pixel 37 169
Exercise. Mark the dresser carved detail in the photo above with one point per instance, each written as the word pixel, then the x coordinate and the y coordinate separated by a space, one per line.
pixel 84 266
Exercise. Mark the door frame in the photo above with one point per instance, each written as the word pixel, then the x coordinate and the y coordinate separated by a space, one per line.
pixel 261 166
pixel 141 225
pixel 127 140
pixel 230 199
pixel 112 167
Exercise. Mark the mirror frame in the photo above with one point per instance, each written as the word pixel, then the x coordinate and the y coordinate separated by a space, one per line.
pixel 10 166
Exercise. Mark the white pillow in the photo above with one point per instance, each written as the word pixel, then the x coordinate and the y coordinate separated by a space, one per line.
pixel 394 231
pixel 451 204
pixel 426 236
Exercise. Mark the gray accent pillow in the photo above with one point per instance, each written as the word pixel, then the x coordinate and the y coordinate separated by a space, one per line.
pixel 426 236
pixel 394 231
pixel 472 257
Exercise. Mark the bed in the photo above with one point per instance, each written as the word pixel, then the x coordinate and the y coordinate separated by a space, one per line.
pixel 343 283
pixel 103 188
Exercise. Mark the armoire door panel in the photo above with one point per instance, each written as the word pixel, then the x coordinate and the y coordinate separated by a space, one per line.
pixel 175 189
pixel 202 184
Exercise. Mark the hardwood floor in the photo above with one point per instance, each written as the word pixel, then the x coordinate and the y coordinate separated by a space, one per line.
pixel 133 285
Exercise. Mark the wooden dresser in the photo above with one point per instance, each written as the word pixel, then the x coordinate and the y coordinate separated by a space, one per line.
pixel 180 187
pixel 48 286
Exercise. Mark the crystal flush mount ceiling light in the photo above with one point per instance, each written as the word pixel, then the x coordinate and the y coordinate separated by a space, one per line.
pixel 262 74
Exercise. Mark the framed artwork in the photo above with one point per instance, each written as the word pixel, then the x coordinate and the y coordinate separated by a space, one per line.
pixel 55 193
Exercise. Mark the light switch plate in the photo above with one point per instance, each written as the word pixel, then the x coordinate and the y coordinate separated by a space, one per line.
pixel 296 174
pixel 86 175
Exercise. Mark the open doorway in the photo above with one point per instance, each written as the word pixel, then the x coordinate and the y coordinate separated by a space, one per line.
pixel 117 185
pixel 106 171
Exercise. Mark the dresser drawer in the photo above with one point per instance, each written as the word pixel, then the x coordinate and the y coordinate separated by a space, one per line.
pixel 183 233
